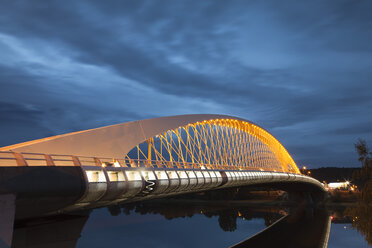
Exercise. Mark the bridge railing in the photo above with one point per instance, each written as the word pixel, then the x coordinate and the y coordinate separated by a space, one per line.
pixel 9 158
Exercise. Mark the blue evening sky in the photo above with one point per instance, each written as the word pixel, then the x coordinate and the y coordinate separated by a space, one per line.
pixel 300 69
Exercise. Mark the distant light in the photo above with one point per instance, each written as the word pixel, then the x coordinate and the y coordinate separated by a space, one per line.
pixel 107 164
pixel 337 185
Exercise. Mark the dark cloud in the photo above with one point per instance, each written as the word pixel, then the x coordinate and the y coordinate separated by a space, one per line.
pixel 20 123
pixel 294 68
pixel 32 108
pixel 361 129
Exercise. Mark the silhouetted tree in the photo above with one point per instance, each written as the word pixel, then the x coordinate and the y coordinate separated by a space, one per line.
pixel 127 208
pixel 333 174
pixel 362 214
pixel 364 175
pixel 114 210
pixel 227 220
pixel 363 151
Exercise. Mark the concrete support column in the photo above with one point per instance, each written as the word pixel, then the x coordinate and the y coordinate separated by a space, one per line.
pixel 7 214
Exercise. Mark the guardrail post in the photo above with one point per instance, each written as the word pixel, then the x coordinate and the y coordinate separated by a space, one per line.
pixel 49 160
pixel 76 161
pixel 97 161
pixel 20 159
pixel 148 163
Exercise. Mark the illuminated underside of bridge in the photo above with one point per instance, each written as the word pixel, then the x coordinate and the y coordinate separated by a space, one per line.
pixel 141 160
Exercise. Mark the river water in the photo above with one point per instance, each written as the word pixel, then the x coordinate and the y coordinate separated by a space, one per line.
pixel 199 230
pixel 203 222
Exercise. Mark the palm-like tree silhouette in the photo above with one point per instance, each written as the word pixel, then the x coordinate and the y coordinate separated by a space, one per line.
pixel 363 152
pixel 364 175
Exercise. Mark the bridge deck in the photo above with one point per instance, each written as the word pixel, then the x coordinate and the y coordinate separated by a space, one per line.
pixel 82 182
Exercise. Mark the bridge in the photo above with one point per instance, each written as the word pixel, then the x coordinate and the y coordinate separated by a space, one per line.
pixel 141 160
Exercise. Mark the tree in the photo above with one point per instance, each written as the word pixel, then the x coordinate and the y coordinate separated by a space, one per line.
pixel 363 152
pixel 114 210
pixel 364 175
pixel 227 219
pixel 362 217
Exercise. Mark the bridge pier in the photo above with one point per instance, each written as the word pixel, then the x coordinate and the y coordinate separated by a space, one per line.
pixel 62 231
pixel 7 215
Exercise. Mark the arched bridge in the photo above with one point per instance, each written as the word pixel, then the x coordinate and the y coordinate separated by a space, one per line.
pixel 141 160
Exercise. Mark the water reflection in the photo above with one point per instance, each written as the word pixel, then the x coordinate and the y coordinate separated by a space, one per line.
pixel 361 215
pixel 288 224
pixel 296 229
pixel 180 208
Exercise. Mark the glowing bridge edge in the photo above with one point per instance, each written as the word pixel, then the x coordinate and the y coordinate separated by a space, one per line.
pixel 112 185
pixel 117 140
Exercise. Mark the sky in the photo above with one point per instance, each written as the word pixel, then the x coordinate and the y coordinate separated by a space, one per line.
pixel 300 69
